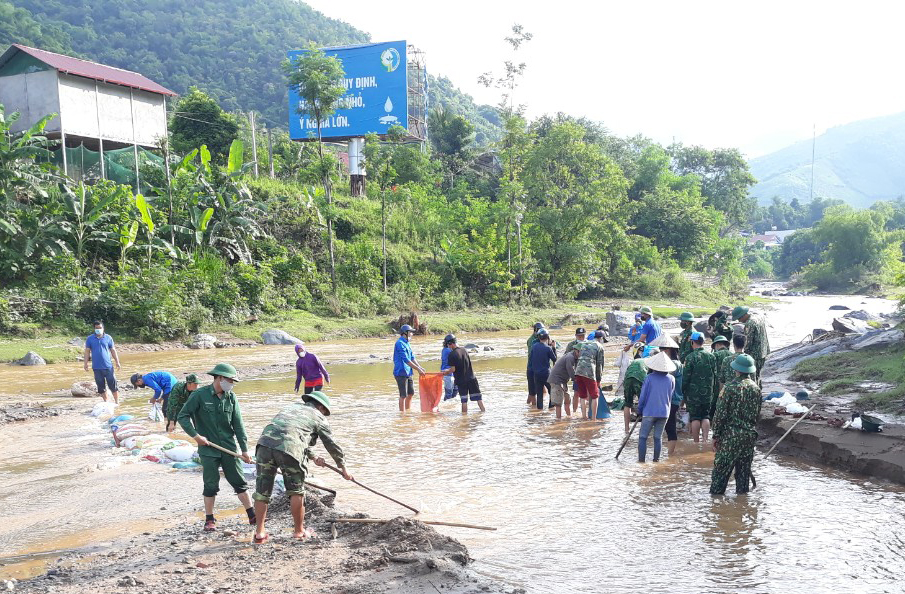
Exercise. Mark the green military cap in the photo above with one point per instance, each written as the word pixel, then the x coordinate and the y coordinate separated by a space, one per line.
pixel 717 339
pixel 225 370
pixel 739 311
pixel 687 316
pixel 744 363
pixel 191 379
pixel 646 310
pixel 320 398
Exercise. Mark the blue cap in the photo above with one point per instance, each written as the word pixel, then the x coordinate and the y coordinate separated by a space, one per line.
pixel 696 336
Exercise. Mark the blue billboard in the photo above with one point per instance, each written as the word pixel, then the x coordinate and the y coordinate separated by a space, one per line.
pixel 376 93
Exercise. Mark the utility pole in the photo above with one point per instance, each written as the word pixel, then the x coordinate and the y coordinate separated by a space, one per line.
pixel 270 152
pixel 254 141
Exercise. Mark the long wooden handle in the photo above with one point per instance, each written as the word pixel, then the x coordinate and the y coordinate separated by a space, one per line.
pixel 338 471
pixel 431 522
pixel 627 437
pixel 216 447
pixel 770 451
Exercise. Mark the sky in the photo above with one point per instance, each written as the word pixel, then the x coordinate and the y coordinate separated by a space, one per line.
pixel 752 75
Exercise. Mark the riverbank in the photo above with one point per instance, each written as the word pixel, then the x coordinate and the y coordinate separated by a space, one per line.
pixel 58 347
pixel 402 555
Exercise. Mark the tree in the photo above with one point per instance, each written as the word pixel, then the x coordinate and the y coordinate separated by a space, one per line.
pixel 198 120
pixel 318 80
pixel 379 161
pixel 84 215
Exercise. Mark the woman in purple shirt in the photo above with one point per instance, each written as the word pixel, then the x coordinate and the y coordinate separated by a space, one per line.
pixel 654 402
pixel 308 366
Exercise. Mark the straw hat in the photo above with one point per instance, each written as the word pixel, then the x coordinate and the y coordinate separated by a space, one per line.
pixel 660 362
pixel 664 341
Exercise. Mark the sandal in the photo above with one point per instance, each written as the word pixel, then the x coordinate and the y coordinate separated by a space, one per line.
pixel 262 540
pixel 210 525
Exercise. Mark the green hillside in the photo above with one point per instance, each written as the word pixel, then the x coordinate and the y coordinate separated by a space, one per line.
pixel 231 49
pixel 859 163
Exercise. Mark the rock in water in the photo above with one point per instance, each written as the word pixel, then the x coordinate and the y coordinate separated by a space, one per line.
pixel 701 326
pixel 32 358
pixel 838 308
pixel 850 326
pixel 203 341
pixel 860 314
pixel 471 346
pixel 278 337
pixel 619 322
pixel 818 332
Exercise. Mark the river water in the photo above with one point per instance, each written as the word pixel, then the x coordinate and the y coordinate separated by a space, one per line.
pixel 571 518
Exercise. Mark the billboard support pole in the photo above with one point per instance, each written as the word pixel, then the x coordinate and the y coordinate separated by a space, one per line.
pixel 356 166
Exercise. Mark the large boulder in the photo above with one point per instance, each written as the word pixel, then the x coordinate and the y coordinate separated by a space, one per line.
pixel 701 326
pixel 850 325
pixel 860 314
pixel 878 338
pixel 31 358
pixel 85 389
pixel 278 337
pixel 619 322
pixel 203 341
pixel 838 308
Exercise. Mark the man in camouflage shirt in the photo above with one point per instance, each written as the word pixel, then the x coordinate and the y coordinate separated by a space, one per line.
pixel 635 374
pixel 580 335
pixel 698 380
pixel 178 396
pixel 286 444
pixel 756 342
pixel 720 353
pixel 720 325
pixel 734 428
pixel 686 321
pixel 726 373
pixel 588 372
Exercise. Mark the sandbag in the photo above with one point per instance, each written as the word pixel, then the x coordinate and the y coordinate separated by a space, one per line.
pixel 128 443
pixel 155 413
pixel 430 391
pixel 176 443
pixel 625 359
pixel 120 420
pixel 186 465
pixel 180 454
pixel 102 409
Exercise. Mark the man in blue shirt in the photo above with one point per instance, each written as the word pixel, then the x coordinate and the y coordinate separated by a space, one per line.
pixel 100 351
pixel 449 385
pixel 650 328
pixel 161 382
pixel 403 361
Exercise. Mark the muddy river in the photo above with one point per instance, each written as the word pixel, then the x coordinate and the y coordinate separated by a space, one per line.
pixel 571 518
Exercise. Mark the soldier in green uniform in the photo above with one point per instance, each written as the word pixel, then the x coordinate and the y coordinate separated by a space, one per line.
pixel 726 373
pixel 211 416
pixel 756 342
pixel 720 353
pixel 631 386
pixel 686 321
pixel 286 444
pixel 719 325
pixel 178 397
pixel 734 428
pixel 698 379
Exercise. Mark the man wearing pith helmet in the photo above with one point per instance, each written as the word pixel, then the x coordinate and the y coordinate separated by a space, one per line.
pixel 211 416
pixel 734 428
pixel 756 343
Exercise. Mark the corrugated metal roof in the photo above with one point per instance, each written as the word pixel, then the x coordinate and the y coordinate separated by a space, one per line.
pixel 93 70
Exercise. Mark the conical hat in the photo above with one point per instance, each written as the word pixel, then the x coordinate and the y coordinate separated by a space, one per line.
pixel 660 362
pixel 664 341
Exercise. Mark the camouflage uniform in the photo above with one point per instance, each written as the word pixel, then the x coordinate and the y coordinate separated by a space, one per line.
pixel 685 343
pixel 590 360
pixel 698 380
pixel 734 428
pixel 756 343
pixel 725 373
pixel 720 356
pixel 573 345
pixel 634 381
pixel 178 397
pixel 722 327
pixel 286 444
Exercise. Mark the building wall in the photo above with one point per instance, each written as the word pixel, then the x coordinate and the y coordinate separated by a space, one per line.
pixel 33 95
pixel 108 112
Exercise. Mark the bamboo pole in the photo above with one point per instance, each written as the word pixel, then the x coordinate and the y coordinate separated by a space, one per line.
pixel 338 471
pixel 770 451
pixel 627 437
pixel 431 522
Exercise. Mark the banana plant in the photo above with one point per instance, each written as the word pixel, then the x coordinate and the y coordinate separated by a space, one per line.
pixel 21 172
pixel 79 223
pixel 153 242
pixel 127 236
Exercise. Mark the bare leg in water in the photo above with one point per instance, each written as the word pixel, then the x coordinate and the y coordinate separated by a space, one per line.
pixel 705 429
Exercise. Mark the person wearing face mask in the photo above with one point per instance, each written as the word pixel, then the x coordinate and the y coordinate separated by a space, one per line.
pixel 309 368
pixel 211 416
pixel 100 351
pixel 686 321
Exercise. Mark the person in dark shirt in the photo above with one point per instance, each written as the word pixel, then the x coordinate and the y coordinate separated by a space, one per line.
pixel 460 366
pixel 542 355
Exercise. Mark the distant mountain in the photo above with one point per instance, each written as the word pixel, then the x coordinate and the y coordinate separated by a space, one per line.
pixel 231 49
pixel 860 163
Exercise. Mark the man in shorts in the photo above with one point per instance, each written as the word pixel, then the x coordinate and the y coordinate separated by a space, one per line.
pixel 563 372
pixel 403 362
pixel 698 380
pixel 286 444
pixel 588 371
pixel 466 382
pixel 99 349
pixel 634 381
